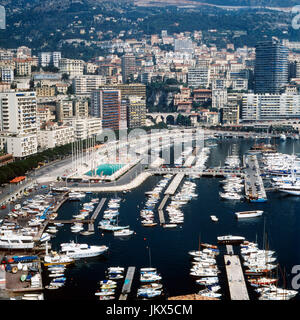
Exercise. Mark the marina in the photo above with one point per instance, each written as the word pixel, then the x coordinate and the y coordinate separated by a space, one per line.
pixel 193 206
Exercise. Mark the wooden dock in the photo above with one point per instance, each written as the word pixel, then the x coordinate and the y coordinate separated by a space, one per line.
pixel 127 283
pixel 235 277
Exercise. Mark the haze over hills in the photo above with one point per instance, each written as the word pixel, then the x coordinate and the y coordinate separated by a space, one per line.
pixel 64 4
pixel 76 26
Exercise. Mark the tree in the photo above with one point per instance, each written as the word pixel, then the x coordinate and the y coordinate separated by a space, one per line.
pixel 65 76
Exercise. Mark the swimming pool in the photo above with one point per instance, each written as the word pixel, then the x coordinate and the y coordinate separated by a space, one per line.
pixel 105 169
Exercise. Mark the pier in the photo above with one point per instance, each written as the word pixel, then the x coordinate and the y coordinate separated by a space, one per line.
pixel 98 209
pixel 211 172
pixel 254 186
pixel 127 283
pixel 235 277
pixel 174 184
pixel 90 221
pixel 229 249
pixel 161 208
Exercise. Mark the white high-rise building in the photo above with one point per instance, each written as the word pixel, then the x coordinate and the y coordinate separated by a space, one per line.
pixel 55 136
pixel 49 59
pixel 198 77
pixel 257 107
pixel 18 120
pixel 87 83
pixel 72 67
pixel 85 127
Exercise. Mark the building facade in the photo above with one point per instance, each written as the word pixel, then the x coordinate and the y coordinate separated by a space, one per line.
pixel 256 107
pixel 271 67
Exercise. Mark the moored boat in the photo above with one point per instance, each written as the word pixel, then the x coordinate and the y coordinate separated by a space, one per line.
pixel 248 214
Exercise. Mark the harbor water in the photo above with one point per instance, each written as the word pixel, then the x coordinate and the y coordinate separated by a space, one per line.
pixel 167 249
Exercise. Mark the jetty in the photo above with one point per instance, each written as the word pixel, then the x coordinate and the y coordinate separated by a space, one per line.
pixel 161 208
pixel 235 277
pixel 174 184
pixel 254 186
pixel 127 283
pixel 89 221
pixel 98 209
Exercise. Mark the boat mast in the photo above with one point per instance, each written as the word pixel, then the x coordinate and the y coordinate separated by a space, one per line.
pixel 149 252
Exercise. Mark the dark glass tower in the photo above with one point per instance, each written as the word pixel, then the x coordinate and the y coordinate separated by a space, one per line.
pixel 271 67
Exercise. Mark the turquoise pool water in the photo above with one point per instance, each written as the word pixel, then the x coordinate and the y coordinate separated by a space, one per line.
pixel 106 169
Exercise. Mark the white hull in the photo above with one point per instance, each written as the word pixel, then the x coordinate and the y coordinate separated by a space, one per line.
pixel 17 246
pixel 290 191
pixel 248 214
pixel 84 255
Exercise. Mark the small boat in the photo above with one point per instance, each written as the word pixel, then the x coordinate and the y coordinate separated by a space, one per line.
pixel 123 233
pixel 108 286
pixel 248 214
pixel 145 270
pixel 33 296
pixel 170 225
pixel 214 218
pixel 209 293
pixel 108 282
pixel 116 269
pixel 52 286
pixel 56 275
pixel 208 281
pixel 45 237
pixel 105 293
pixel 106 297
pixel 148 277
pixel 148 293
pixel 86 233
pixel 207 245
pixel 59 280
pixel 56 259
pixel 151 224
pixel 230 239
pixel 263 281
pixel 115 276
pixel 153 285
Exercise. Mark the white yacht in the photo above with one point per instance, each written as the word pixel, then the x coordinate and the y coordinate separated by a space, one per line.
pixel 123 233
pixel 290 189
pixel 230 239
pixel 214 218
pixel 76 196
pixel 230 196
pixel 82 250
pixel 57 259
pixel 248 214
pixel 76 227
pixel 16 241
